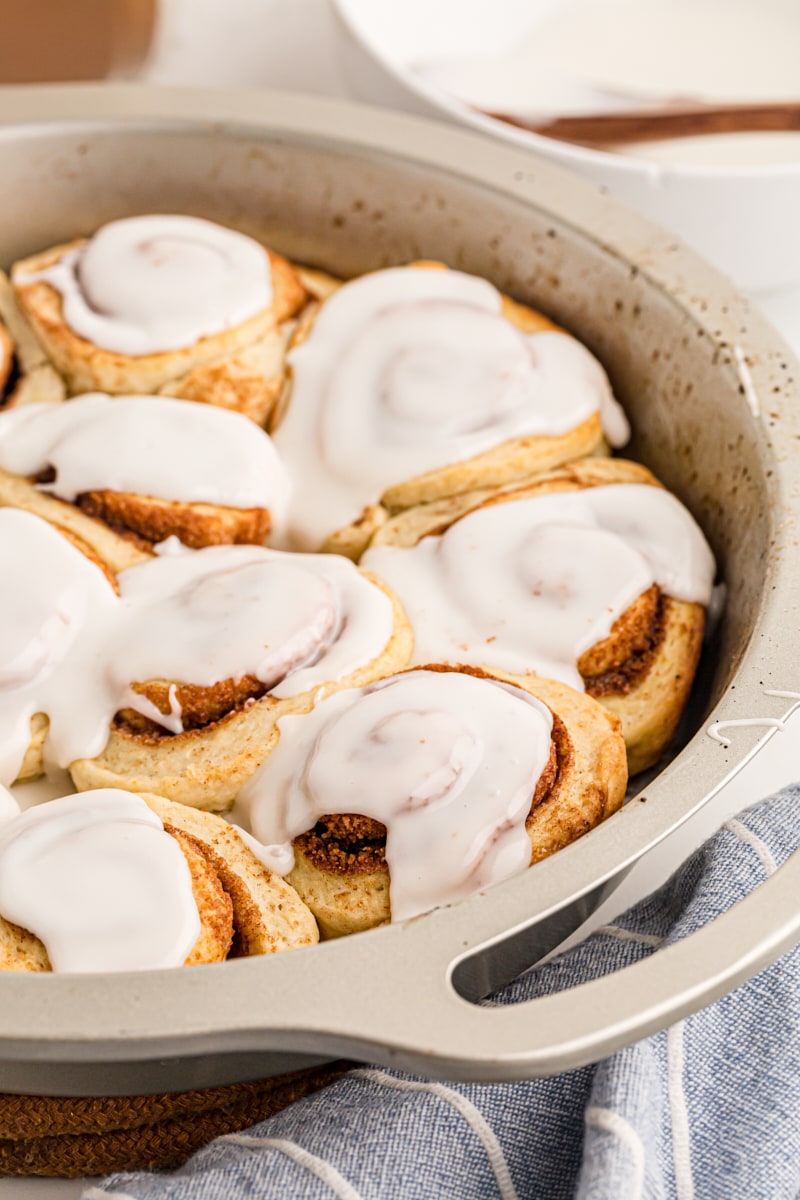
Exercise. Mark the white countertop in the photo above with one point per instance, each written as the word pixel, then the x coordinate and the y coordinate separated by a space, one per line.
pixel 290 44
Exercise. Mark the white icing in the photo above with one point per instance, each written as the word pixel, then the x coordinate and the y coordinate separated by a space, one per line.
pixel 411 369
pixel 300 620
pixel 99 882
pixel 70 648
pixel 531 584
pixel 779 723
pixel 148 284
pixel 53 620
pixel 147 445
pixel 8 805
pixel 446 761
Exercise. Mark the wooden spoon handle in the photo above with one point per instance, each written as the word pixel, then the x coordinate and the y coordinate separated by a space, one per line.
pixel 649 125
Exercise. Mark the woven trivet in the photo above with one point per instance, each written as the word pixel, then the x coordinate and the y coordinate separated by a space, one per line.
pixel 71 1136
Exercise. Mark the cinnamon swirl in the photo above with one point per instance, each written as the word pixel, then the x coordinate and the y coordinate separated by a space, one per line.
pixel 594 574
pixel 168 303
pixel 390 800
pixel 416 383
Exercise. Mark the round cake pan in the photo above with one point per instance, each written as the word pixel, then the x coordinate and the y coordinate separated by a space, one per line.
pixel 712 393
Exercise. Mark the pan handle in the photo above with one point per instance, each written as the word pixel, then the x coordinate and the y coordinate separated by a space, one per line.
pixel 450 1038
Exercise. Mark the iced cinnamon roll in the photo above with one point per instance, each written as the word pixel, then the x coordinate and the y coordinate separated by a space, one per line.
pixel 594 575
pixel 26 376
pixel 417 383
pixel 216 645
pixel 390 800
pixel 172 682
pixel 110 881
pixel 168 303
pixel 144 468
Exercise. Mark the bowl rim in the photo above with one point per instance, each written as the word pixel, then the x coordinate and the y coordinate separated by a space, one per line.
pixel 565 152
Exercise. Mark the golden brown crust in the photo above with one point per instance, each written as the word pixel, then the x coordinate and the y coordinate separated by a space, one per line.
pixel 248 382
pixel 206 766
pixel 149 520
pixel 340 868
pixel 87 367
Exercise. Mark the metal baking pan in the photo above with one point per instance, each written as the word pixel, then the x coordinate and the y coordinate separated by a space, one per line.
pixel 713 396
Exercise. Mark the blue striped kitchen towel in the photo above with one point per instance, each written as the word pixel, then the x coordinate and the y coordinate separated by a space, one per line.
pixel 707 1110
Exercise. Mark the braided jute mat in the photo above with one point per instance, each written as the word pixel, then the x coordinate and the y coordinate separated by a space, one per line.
pixel 73 1136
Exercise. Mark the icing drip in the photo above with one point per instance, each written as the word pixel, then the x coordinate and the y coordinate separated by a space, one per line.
pixel 71 648
pixel 148 445
pixel 59 611
pixel 531 584
pixel 446 761
pixel 714 730
pixel 99 882
pixel 154 283
pixel 411 369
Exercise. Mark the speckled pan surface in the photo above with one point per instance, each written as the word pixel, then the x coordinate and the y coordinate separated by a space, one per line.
pixel 713 395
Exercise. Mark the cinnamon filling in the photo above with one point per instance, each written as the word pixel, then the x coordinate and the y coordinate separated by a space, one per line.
pixel 147 520
pixel 349 844
pixel 199 706
pixel 615 665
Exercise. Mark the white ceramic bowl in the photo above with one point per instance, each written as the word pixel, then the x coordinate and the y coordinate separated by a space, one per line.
pixel 742 217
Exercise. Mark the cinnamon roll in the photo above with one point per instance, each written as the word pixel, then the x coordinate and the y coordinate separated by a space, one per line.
pixel 170 678
pixel 416 383
pixel 109 881
pixel 390 800
pixel 145 468
pixel 594 574
pixel 26 375
pixel 168 303
pixel 219 643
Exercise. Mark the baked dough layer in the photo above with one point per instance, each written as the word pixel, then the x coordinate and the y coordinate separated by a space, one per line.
pixel 26 376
